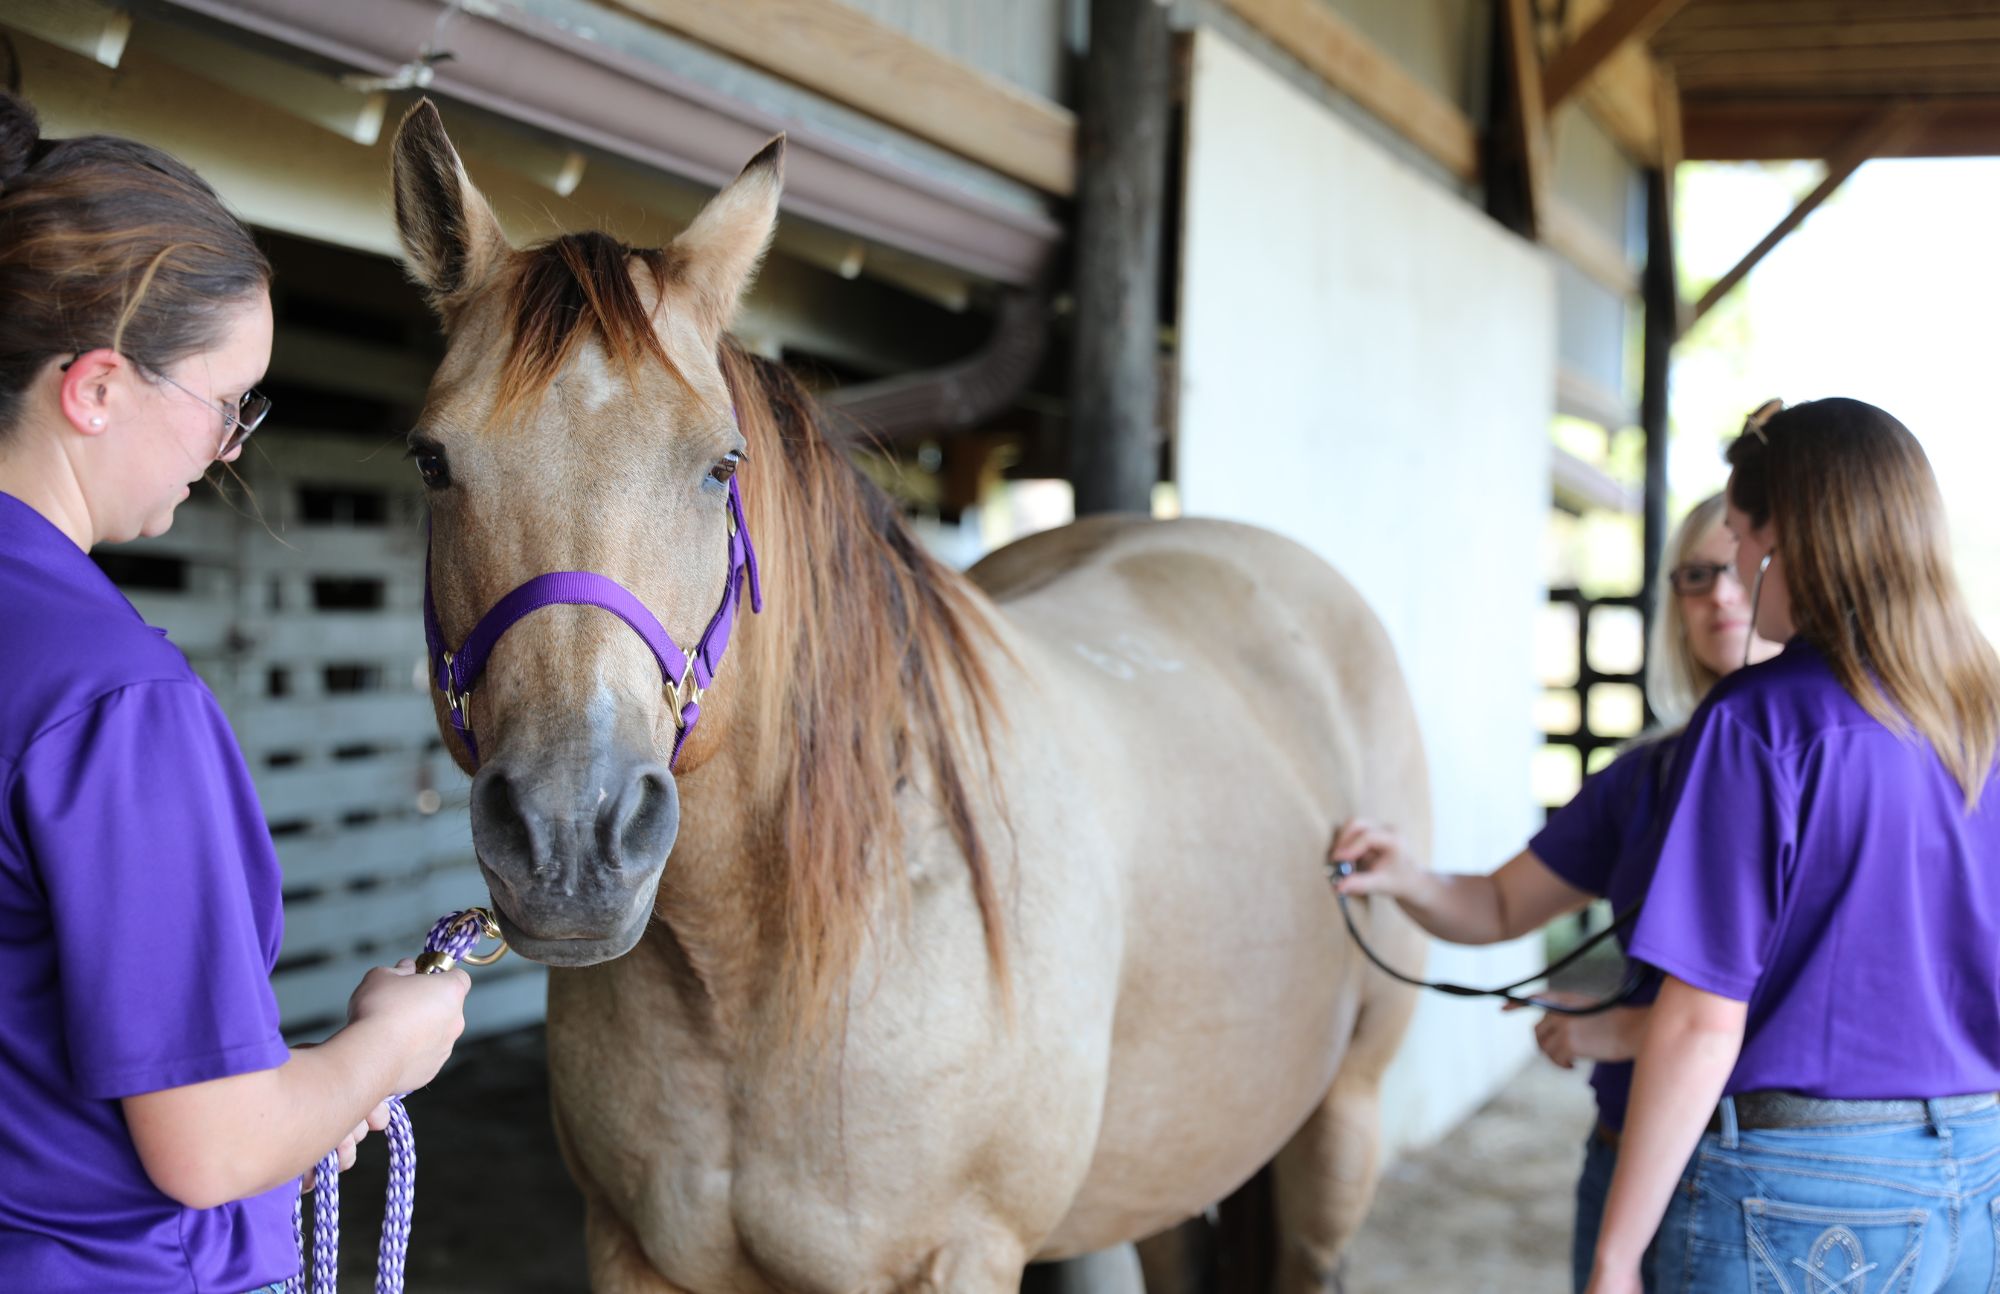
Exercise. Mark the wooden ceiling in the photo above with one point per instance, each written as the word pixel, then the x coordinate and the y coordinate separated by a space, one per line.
pixel 1810 78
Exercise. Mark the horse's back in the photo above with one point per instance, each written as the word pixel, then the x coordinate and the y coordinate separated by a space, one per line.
pixel 1226 696
pixel 1256 630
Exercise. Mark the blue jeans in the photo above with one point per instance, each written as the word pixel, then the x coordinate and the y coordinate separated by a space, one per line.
pixel 1877 1208
pixel 1592 1186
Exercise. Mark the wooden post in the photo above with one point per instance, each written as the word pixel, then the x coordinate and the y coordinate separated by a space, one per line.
pixel 1660 293
pixel 1517 162
pixel 1114 449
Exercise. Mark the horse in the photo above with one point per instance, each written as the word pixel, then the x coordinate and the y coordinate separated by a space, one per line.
pixel 981 919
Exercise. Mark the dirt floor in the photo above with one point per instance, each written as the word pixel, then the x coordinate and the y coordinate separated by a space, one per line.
pixel 1485 1212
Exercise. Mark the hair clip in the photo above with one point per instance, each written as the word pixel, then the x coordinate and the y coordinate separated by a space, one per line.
pixel 1763 413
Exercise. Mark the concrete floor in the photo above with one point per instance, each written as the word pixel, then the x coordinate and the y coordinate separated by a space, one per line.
pixel 1485 1212
pixel 1488 1209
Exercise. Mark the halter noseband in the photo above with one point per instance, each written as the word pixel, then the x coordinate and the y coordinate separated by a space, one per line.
pixel 687 676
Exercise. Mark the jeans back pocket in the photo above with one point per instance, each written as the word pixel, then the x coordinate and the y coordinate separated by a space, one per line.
pixel 1809 1249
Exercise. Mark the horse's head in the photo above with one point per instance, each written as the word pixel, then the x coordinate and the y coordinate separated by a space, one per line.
pixel 580 421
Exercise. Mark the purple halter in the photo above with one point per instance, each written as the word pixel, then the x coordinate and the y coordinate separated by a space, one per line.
pixel 455 674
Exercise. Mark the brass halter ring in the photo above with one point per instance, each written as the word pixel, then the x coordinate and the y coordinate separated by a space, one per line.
pixel 430 963
pixel 489 928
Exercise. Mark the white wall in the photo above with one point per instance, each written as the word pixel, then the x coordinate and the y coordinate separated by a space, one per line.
pixel 1368 365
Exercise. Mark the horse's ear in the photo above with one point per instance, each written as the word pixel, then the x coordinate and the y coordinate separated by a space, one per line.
pixel 717 255
pixel 450 238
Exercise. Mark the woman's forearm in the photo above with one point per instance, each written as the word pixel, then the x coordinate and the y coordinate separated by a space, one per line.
pixel 228 1139
pixel 1690 1047
pixel 1459 907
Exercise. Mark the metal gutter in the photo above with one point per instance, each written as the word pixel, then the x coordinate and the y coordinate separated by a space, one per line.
pixel 529 70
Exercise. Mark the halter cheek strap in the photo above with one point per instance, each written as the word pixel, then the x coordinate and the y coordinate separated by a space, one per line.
pixel 687 675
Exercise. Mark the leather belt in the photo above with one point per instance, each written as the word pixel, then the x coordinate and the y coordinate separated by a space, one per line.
pixel 1777 1109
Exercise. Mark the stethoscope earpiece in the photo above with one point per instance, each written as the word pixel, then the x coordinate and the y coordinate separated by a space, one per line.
pixel 1756 590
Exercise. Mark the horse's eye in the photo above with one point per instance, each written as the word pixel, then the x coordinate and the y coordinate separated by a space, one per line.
pixel 431 466
pixel 725 469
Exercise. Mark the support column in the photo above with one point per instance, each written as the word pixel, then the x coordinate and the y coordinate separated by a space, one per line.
pixel 1114 439
pixel 1660 292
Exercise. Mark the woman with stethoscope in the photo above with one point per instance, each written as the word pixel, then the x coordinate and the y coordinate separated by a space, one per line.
pixel 1594 847
pixel 1813 1106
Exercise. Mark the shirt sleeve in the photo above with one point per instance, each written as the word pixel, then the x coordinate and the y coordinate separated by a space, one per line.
pixel 1714 908
pixel 1581 842
pixel 163 891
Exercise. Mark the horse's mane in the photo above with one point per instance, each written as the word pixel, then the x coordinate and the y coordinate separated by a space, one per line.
pixel 886 686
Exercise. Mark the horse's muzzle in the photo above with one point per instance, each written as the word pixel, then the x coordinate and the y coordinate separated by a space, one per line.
pixel 573 855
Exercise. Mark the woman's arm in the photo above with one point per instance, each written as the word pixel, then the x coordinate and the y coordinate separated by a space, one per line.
pixel 1691 1045
pixel 206 1144
pixel 1523 895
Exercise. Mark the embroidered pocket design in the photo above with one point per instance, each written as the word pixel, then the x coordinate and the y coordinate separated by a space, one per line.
pixel 1804 1249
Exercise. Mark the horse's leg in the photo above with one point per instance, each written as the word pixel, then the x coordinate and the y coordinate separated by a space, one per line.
pixel 1325 1176
pixel 1108 1271
pixel 617 1264
pixel 1176 1260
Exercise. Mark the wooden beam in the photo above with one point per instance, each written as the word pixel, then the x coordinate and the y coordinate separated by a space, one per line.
pixel 1880 83
pixel 1311 32
pixel 1622 21
pixel 1750 65
pixel 1623 99
pixel 1516 165
pixel 1766 129
pixel 1865 144
pixel 849 57
pixel 1875 30
pixel 1788 13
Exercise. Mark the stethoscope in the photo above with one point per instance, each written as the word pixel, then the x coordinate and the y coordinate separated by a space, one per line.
pixel 1636 974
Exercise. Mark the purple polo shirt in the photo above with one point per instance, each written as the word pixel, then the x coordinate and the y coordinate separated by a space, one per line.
pixel 1823 869
pixel 1600 842
pixel 140 916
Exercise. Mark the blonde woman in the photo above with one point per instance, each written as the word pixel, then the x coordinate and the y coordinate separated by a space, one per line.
pixel 1813 1106
pixel 1595 846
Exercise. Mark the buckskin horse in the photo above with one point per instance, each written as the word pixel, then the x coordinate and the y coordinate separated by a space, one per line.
pixel 980 919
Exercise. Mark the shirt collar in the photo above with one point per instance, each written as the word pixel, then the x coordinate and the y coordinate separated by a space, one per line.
pixel 32 537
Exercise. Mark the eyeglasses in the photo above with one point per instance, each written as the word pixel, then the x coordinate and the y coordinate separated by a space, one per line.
pixel 1692 579
pixel 252 407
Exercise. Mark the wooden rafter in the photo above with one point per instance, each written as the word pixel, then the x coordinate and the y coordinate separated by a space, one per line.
pixel 1766 128
pixel 1868 142
pixel 1621 21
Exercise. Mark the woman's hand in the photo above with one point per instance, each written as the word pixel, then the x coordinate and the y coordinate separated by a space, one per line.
pixel 1382 863
pixel 416 1018
pixel 1608 1035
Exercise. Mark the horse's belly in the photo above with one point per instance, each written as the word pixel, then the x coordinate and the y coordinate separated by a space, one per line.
pixel 1205 1086
pixel 1240 987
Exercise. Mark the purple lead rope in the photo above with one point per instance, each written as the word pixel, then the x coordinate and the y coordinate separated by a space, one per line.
pixel 454 936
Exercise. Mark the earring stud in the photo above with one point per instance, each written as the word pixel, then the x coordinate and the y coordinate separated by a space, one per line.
pixel 97 422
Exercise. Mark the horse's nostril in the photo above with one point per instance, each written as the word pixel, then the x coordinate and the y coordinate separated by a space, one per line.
pixel 639 827
pixel 500 820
